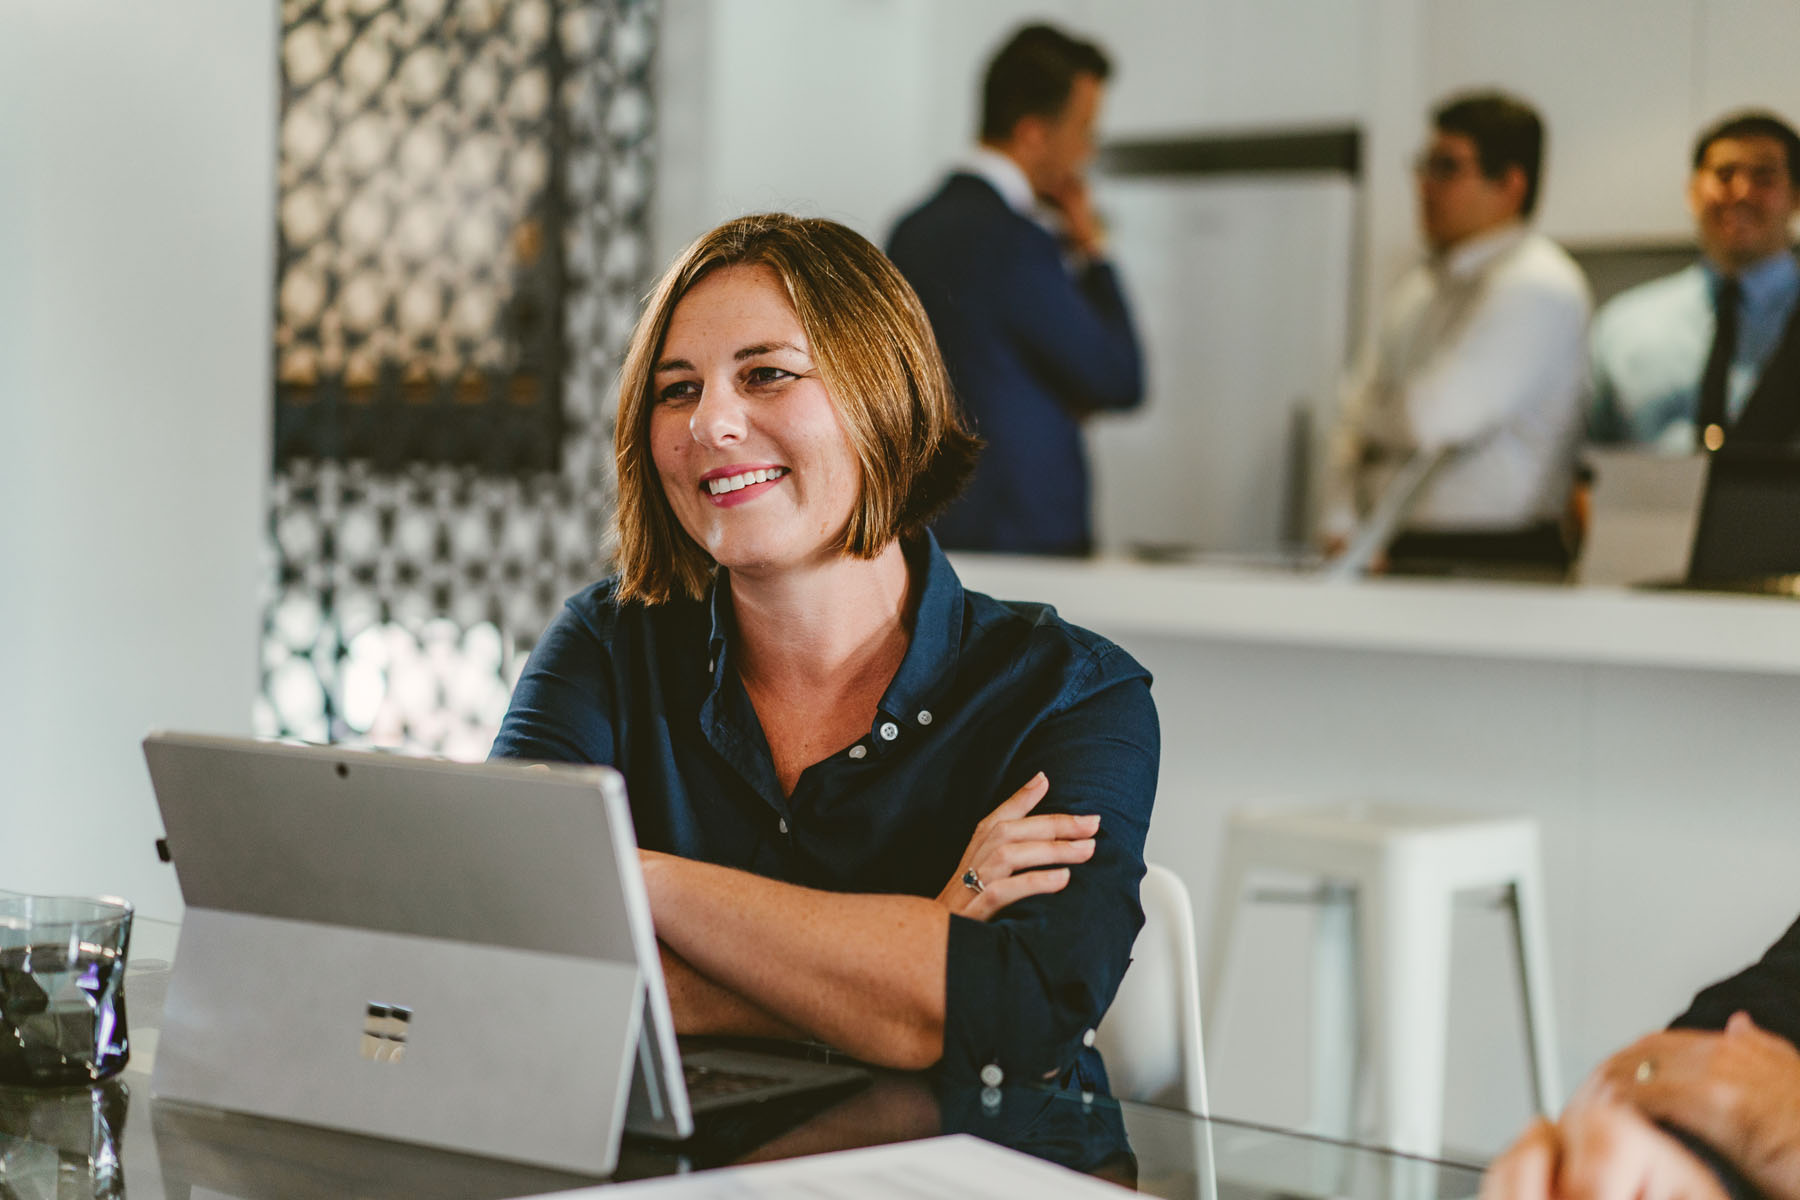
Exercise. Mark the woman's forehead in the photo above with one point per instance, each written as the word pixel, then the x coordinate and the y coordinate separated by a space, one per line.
pixel 745 301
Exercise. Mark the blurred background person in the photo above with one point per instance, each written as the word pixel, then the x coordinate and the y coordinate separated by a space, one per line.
pixel 1677 360
pixel 1010 260
pixel 1481 352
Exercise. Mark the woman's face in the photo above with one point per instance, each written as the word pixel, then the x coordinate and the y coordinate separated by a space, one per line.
pixel 745 438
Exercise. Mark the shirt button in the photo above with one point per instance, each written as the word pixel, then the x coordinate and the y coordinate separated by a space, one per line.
pixel 924 716
pixel 783 824
pixel 1087 1039
pixel 992 1075
pixel 858 750
pixel 711 665
pixel 889 731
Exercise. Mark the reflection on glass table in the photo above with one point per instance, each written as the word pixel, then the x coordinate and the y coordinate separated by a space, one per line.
pixel 181 1151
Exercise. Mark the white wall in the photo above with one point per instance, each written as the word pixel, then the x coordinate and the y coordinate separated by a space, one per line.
pixel 136 251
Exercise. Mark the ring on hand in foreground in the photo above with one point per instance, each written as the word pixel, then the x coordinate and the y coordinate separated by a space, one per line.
pixel 972 881
pixel 1645 1070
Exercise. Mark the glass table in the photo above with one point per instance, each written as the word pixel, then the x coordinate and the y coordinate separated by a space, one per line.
pixel 121 1142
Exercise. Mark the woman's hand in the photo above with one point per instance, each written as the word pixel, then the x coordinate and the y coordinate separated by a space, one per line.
pixel 1009 844
pixel 1738 1091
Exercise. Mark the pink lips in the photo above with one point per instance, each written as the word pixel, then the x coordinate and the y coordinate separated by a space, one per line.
pixel 744 494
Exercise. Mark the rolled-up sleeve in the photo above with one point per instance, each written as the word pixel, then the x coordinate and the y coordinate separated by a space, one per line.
pixel 1024 990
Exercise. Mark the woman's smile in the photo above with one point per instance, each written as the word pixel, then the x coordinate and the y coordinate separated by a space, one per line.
pixel 731 486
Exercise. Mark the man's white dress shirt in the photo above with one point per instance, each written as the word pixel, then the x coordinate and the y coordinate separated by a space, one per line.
pixel 1482 350
pixel 1004 176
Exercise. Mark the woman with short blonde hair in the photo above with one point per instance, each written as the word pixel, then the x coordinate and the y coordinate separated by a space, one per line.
pixel 874 809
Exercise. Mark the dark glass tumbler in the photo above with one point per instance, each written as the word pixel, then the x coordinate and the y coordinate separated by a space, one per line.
pixel 62 990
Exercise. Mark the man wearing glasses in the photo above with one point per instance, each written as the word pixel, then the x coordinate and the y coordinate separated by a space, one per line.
pixel 1686 361
pixel 1481 357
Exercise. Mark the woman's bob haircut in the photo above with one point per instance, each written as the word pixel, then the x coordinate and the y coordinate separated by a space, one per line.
pixel 879 363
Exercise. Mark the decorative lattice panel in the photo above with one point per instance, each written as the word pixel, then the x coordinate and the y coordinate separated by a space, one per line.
pixel 463 240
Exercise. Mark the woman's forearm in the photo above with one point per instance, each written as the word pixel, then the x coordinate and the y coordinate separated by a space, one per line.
pixel 862 972
pixel 704 1006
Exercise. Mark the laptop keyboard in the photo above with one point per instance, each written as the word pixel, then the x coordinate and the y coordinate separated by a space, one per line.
pixel 707 1083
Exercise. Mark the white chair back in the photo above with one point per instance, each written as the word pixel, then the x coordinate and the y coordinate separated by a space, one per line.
pixel 1150 1037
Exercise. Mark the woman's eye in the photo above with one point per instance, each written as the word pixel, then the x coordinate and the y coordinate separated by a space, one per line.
pixel 685 389
pixel 766 375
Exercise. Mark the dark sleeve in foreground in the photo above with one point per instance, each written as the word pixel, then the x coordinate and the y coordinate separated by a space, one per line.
pixel 1769 991
pixel 1023 988
pixel 563 708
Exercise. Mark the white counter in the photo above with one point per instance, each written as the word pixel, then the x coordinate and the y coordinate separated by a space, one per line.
pixel 1485 620
pixel 1654 736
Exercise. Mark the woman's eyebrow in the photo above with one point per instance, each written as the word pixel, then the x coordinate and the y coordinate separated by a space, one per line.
pixel 765 348
pixel 682 364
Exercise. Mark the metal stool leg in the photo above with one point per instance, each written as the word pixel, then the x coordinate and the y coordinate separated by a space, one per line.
pixel 1532 938
pixel 1406 963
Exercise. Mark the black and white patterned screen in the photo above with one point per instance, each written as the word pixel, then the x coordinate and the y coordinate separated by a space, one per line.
pixel 463 238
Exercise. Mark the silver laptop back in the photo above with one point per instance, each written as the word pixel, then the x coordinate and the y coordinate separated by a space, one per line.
pixel 437 953
pixel 1642 515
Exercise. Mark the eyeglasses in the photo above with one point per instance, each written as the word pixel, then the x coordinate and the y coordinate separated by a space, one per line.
pixel 1440 167
pixel 1760 176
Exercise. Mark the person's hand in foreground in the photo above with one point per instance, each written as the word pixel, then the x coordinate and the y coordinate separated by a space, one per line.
pixel 1601 1149
pixel 1737 1091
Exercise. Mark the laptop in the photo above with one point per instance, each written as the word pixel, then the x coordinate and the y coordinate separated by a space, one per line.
pixel 458 955
pixel 1748 537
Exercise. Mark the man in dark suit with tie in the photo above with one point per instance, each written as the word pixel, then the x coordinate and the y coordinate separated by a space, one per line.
pixel 1009 260
pixel 1711 353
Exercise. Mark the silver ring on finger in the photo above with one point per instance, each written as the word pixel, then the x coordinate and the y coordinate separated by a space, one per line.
pixel 972 881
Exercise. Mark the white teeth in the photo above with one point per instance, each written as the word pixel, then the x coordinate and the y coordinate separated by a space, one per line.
pixel 732 483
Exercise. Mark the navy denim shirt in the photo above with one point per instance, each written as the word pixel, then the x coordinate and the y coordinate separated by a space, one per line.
pixel 988 694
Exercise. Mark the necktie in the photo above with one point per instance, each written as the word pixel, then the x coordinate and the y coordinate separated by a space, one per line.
pixel 1709 422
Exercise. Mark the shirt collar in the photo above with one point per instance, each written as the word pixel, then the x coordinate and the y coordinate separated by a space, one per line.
pixel 1467 258
pixel 1772 279
pixel 724 625
pixel 1004 176
pixel 936 636
pixel 931 653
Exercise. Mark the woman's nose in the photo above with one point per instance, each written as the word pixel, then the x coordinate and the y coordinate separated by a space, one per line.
pixel 718 420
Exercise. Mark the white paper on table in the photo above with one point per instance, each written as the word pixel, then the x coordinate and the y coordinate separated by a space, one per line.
pixel 957 1167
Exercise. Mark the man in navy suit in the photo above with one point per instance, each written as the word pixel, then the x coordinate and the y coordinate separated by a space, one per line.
pixel 1010 262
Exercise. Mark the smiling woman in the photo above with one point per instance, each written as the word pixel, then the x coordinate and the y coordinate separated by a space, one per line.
pixel 875 809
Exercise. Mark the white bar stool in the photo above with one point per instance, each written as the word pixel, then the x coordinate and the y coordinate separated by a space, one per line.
pixel 1400 867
